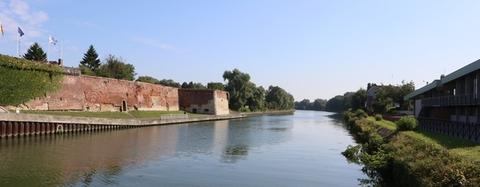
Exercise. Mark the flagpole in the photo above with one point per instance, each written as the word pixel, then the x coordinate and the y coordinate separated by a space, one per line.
pixel 18 46
pixel 48 49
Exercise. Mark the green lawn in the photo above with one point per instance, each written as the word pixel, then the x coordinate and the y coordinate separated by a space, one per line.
pixel 122 115
pixel 464 148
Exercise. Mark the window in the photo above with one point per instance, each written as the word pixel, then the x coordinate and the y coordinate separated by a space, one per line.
pixel 206 110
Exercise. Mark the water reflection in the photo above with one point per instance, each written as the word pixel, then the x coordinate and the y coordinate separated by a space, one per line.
pixel 188 154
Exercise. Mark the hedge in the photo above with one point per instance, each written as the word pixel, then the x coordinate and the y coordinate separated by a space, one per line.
pixel 23 80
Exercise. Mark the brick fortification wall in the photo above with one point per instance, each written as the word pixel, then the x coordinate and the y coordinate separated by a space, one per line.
pixel 204 101
pixel 90 93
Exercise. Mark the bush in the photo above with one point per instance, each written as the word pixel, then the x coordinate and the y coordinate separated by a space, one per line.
pixel 407 123
pixel 360 113
pixel 378 117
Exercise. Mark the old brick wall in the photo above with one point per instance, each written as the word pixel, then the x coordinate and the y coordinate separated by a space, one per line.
pixel 204 101
pixel 221 102
pixel 91 93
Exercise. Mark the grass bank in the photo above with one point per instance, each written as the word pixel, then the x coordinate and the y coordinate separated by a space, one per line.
pixel 118 115
pixel 411 158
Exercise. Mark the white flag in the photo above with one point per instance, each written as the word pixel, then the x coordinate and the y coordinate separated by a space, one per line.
pixel 52 40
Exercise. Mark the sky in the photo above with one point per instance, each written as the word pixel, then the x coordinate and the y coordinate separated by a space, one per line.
pixel 311 48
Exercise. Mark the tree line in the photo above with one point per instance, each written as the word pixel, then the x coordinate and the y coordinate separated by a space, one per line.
pixel 388 99
pixel 245 95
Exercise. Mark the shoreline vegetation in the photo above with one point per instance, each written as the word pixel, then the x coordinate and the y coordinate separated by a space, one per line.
pixel 394 156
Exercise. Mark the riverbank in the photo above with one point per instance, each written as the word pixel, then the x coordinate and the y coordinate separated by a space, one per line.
pixel 411 158
pixel 269 112
pixel 12 124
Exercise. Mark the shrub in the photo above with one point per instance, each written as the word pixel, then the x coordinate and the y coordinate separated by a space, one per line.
pixel 378 117
pixel 360 113
pixel 407 123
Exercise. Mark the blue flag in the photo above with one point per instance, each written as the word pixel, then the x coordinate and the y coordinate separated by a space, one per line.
pixel 20 32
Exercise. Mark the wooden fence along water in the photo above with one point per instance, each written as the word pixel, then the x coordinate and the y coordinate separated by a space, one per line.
pixel 16 125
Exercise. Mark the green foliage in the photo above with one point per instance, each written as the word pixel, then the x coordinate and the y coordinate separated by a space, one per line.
pixel 164 82
pixel 86 71
pixel 407 123
pixel 278 99
pixel 318 104
pixel 239 87
pixel 35 53
pixel 246 96
pixel 336 104
pixel 257 101
pixel 406 160
pixel 216 86
pixel 169 82
pixel 116 68
pixel 193 85
pixel 22 80
pixel 378 117
pixel 90 61
pixel 147 79
pixel 358 99
pixel 390 97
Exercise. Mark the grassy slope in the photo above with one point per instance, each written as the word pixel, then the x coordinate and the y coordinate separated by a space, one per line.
pixel 464 148
pixel 122 115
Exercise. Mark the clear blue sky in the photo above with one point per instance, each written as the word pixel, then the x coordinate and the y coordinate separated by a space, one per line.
pixel 313 49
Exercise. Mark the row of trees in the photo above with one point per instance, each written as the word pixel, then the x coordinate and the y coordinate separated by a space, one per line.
pixel 246 96
pixel 388 99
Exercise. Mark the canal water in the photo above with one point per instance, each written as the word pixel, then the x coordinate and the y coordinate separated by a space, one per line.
pixel 297 150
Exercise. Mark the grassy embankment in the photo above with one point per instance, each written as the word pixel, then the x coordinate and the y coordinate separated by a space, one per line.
pixel 461 147
pixel 411 158
pixel 121 115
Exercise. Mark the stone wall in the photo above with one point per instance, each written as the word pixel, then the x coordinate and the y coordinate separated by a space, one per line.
pixel 88 93
pixel 204 101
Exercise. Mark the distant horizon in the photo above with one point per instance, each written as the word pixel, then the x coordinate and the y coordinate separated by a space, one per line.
pixel 313 49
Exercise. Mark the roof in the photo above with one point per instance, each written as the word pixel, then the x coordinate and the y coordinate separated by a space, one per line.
pixel 422 90
pixel 450 77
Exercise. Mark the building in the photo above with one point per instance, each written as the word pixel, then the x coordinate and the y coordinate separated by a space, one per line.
pixel 372 90
pixel 204 101
pixel 451 104
pixel 89 93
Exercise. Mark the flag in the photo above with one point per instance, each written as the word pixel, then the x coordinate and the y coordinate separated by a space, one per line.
pixel 52 40
pixel 1 28
pixel 20 32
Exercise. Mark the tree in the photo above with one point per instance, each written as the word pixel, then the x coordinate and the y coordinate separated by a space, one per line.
pixel 169 82
pixel 116 68
pixel 257 101
pixel 303 105
pixel 319 104
pixel 35 53
pixel 358 99
pixel 216 86
pixel 277 98
pixel 193 85
pixel 336 104
pixel 148 79
pixel 240 89
pixel 90 59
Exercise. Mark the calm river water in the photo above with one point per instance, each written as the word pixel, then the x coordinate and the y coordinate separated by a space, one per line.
pixel 299 150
